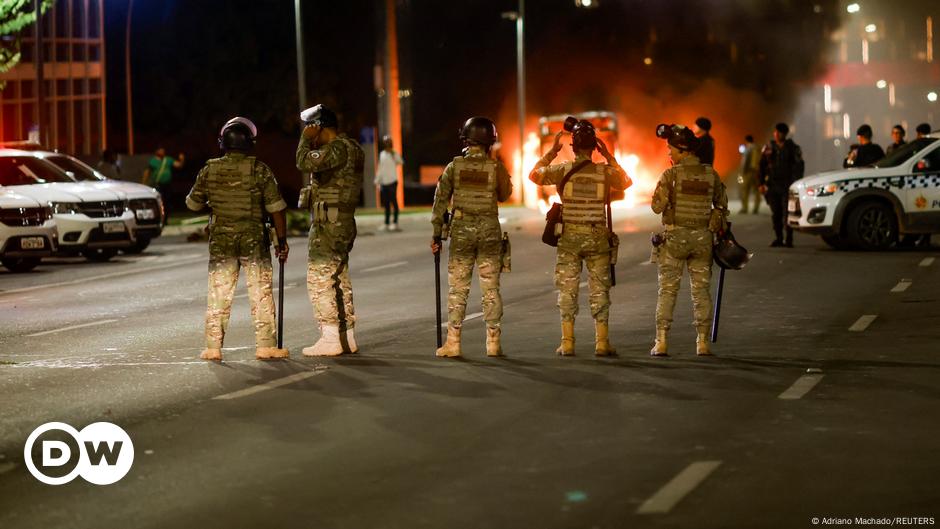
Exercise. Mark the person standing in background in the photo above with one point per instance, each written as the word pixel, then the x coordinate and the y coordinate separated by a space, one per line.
pixel 159 175
pixel 386 177
pixel 108 165
pixel 781 164
pixel 750 165
pixel 922 130
pixel 897 137
pixel 706 148
pixel 865 153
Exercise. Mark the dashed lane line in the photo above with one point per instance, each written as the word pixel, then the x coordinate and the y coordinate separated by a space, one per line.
pixel 385 266
pixel 103 276
pixel 863 322
pixel 71 327
pixel 927 261
pixel 902 285
pixel 271 384
pixel 678 488
pixel 801 387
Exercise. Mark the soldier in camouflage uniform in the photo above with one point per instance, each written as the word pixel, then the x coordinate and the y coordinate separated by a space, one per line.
pixel 336 165
pixel 239 189
pixel 585 237
pixel 475 183
pixel 692 200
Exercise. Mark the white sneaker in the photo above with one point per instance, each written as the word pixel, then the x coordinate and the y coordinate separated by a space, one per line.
pixel 395 227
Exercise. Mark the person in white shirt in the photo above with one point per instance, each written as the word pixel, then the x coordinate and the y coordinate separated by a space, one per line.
pixel 386 176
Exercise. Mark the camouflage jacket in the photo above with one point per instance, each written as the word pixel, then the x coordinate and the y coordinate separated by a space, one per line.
pixel 713 199
pixel 445 187
pixel 336 172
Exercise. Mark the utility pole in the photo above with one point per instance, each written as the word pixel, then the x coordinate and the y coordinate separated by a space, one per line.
pixel 392 98
pixel 127 79
pixel 40 76
pixel 301 72
pixel 520 83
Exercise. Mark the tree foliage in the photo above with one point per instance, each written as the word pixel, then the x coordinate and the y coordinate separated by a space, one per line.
pixel 14 16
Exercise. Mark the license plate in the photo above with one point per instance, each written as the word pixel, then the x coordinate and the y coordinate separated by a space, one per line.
pixel 33 243
pixel 145 214
pixel 113 227
pixel 793 205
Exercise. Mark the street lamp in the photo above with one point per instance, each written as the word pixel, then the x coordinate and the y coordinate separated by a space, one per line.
pixel 932 97
pixel 853 8
pixel 519 18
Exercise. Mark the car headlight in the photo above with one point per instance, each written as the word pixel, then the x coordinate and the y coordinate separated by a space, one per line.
pixel 65 207
pixel 822 190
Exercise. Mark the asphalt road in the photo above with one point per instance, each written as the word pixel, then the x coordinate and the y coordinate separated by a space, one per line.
pixel 806 412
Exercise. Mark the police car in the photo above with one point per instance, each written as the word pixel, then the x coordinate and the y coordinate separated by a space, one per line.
pixel 867 208
pixel 27 231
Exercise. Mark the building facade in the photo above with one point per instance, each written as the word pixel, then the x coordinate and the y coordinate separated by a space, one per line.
pixel 73 85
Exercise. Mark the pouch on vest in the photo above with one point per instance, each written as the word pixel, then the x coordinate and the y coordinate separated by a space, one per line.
pixel 506 254
pixel 614 248
pixel 445 228
pixel 553 227
pixel 332 214
pixel 306 194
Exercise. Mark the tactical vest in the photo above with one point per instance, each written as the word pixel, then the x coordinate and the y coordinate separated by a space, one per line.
pixel 341 188
pixel 584 199
pixel 694 192
pixel 475 185
pixel 232 193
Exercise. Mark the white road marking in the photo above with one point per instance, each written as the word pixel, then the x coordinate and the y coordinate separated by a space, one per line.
pixel 466 318
pixel 927 261
pixel 85 364
pixel 902 285
pixel 679 487
pixel 385 266
pixel 862 323
pixel 271 384
pixel 801 387
pixel 71 327
pixel 102 276
pixel 6 467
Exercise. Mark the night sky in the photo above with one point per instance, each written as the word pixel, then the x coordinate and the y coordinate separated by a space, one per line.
pixel 195 64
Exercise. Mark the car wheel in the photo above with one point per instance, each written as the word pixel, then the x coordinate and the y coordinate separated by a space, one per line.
pixel 139 246
pixel 99 255
pixel 837 242
pixel 20 264
pixel 872 226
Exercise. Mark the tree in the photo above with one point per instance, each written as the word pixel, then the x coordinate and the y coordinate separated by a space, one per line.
pixel 14 16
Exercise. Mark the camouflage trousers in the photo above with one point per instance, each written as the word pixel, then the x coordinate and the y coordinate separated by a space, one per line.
pixel 223 276
pixel 587 246
pixel 328 282
pixel 474 240
pixel 692 248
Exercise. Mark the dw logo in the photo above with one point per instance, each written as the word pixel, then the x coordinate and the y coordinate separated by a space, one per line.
pixel 102 453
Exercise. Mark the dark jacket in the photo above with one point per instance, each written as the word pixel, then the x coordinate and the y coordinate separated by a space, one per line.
pixel 894 146
pixel 706 149
pixel 865 155
pixel 780 166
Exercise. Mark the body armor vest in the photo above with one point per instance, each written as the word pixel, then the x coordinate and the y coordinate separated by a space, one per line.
pixel 694 192
pixel 232 192
pixel 341 188
pixel 584 198
pixel 475 185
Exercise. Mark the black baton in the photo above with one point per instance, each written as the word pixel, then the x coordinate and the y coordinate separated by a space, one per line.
pixel 280 306
pixel 437 291
pixel 721 289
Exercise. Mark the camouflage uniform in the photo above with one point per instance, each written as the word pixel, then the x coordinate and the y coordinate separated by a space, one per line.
pixel 692 200
pixel 333 194
pixel 476 183
pixel 585 237
pixel 238 189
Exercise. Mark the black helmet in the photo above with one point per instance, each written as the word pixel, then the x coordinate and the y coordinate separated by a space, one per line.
pixel 320 116
pixel 728 253
pixel 583 135
pixel 238 134
pixel 680 137
pixel 478 131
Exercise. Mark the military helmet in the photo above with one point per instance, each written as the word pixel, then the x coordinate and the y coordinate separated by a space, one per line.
pixel 478 131
pixel 238 134
pixel 728 253
pixel 583 134
pixel 678 136
pixel 320 116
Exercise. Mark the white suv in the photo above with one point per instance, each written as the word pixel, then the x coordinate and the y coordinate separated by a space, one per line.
pixel 143 200
pixel 867 208
pixel 93 222
pixel 27 231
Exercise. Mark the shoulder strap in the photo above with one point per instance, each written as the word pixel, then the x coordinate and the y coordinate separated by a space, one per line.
pixel 577 167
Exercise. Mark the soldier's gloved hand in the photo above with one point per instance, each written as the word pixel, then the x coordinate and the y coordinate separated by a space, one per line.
pixel 602 148
pixel 282 249
pixel 311 131
pixel 556 146
pixel 436 245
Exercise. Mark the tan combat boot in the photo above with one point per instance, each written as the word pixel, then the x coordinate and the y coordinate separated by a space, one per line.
pixel 493 347
pixel 659 347
pixel 351 341
pixel 270 353
pixel 701 343
pixel 328 344
pixel 451 347
pixel 602 345
pixel 211 354
pixel 567 339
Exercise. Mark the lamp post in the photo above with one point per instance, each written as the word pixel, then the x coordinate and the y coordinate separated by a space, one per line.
pixel 127 79
pixel 519 18
pixel 301 73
